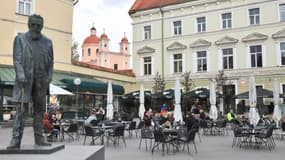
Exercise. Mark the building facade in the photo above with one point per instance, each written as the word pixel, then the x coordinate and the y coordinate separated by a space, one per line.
pixel 96 51
pixel 58 27
pixel 240 37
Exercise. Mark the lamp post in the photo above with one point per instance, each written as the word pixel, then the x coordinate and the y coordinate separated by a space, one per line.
pixel 77 82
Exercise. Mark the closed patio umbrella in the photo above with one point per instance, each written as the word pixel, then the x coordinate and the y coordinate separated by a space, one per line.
pixel 253 114
pixel 142 108
pixel 276 113
pixel 177 110
pixel 213 114
pixel 110 113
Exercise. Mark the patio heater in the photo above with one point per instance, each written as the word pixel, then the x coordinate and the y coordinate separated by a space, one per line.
pixel 77 82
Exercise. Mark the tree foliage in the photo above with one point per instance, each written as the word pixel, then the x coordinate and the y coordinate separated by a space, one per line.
pixel 187 82
pixel 74 50
pixel 221 80
pixel 159 83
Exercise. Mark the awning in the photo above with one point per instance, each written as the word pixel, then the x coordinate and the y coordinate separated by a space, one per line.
pixel 201 93
pixel 65 80
pixel 7 75
pixel 260 93
pixel 136 94
pixel 93 86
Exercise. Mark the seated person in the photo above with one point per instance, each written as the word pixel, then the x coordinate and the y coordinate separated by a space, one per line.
pixel 189 120
pixel 91 119
pixel 49 128
pixel 230 116
pixel 147 118
pixel 164 120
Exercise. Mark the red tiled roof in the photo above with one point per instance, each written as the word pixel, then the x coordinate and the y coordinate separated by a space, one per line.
pixel 91 39
pixel 128 72
pixel 149 4
pixel 103 36
pixel 124 39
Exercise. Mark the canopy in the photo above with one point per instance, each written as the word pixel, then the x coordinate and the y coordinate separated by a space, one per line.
pixel 166 94
pixel 56 90
pixel 95 86
pixel 136 94
pixel 260 93
pixel 201 93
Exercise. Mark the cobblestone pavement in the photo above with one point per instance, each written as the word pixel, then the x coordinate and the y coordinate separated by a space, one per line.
pixel 210 148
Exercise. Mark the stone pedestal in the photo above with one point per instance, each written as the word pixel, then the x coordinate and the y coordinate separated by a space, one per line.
pixel 32 149
pixel 70 152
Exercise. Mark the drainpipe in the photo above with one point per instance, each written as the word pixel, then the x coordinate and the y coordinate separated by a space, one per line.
pixel 162 40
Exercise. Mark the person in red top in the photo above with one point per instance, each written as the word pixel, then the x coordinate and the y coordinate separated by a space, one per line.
pixel 49 128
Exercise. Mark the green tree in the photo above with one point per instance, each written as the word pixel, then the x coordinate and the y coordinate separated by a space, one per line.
pixel 187 82
pixel 74 50
pixel 159 84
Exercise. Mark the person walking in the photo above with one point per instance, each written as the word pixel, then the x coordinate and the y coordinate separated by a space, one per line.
pixel 33 63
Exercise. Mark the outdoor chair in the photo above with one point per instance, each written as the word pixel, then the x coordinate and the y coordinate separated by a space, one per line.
pixel 240 136
pixel 266 138
pixel 116 134
pixel 132 127
pixel 146 134
pixel 94 133
pixel 139 127
pixel 196 127
pixel 189 138
pixel 282 130
pixel 71 130
pixel 161 138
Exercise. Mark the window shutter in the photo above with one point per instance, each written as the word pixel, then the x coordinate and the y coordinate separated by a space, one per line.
pixel 247 52
pixel 171 65
pixel 235 57
pixel 183 63
pixel 278 54
pixel 220 59
pixel 141 67
pixel 208 60
pixel 152 65
pixel 194 61
pixel 263 55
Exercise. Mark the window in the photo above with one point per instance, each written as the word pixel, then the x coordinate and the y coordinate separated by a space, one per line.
pixel 254 16
pixel 282 12
pixel 256 56
pixel 25 7
pixel 177 25
pixel 116 67
pixel 177 63
pixel 227 20
pixel 283 91
pixel 228 58
pixel 282 51
pixel 202 61
pixel 89 51
pixel 201 24
pixel 147 65
pixel 147 32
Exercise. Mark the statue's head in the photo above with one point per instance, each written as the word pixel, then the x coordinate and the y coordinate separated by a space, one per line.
pixel 35 24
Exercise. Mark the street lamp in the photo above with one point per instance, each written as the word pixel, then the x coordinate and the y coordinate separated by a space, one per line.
pixel 77 82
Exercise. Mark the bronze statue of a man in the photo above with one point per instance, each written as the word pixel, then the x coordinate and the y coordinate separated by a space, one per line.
pixel 33 63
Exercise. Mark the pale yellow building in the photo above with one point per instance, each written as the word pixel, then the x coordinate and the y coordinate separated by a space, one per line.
pixel 241 37
pixel 58 16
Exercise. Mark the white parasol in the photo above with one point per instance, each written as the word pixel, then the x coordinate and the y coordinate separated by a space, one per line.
pixel 110 112
pixel 253 114
pixel 213 114
pixel 276 113
pixel 141 108
pixel 177 110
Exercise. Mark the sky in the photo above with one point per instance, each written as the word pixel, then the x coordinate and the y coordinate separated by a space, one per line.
pixel 111 15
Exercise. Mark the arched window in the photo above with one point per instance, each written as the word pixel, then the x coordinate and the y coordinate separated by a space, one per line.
pixel 89 51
